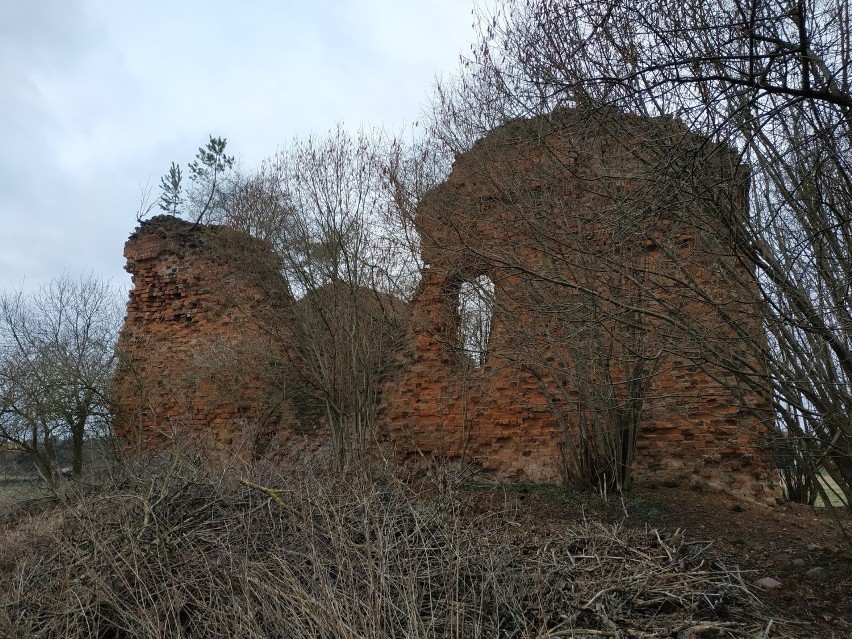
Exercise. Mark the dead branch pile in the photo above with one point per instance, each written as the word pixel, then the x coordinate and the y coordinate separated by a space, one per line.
pixel 179 550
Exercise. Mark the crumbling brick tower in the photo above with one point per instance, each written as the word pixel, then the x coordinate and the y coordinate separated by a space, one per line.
pixel 202 352
pixel 607 240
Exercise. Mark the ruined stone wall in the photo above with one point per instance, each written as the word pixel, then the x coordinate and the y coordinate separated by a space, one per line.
pixel 205 351
pixel 608 241
pixel 607 238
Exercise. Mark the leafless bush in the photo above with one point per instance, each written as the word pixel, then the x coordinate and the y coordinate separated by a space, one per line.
pixel 328 206
pixel 180 549
pixel 798 478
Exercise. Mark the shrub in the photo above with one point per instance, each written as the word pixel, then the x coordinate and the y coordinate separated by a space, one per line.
pixel 183 549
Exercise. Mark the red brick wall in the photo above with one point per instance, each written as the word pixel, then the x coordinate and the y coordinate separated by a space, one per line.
pixel 205 349
pixel 552 210
pixel 549 209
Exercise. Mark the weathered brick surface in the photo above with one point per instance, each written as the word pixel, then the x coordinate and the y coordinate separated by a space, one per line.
pixel 552 210
pixel 549 209
pixel 205 350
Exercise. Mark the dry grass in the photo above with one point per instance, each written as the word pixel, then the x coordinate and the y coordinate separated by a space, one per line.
pixel 180 549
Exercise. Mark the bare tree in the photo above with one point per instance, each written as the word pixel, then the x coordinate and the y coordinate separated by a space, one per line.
pixel 595 354
pixel 56 365
pixel 476 313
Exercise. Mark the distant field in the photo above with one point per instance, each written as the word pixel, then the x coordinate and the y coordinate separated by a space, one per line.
pixel 834 492
pixel 13 490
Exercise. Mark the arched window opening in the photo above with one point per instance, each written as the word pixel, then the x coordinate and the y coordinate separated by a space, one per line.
pixel 476 310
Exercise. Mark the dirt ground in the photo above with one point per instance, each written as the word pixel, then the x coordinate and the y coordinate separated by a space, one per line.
pixel 795 545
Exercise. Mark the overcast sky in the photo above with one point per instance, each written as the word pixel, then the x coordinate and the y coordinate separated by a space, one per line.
pixel 97 97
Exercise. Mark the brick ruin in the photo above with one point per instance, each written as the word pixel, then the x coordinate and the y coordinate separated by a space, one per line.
pixel 573 219
pixel 205 349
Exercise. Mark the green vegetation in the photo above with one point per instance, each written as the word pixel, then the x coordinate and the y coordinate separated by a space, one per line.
pixel 649 510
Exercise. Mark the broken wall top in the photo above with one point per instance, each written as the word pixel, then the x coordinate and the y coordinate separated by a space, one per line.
pixel 166 242
pixel 575 168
